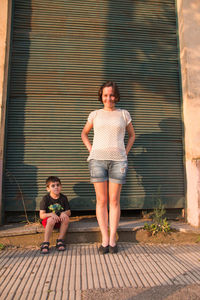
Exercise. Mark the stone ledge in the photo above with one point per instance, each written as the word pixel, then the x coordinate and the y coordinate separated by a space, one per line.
pixel 126 225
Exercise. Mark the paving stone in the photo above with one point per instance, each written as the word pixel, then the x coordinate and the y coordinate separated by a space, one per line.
pixel 27 274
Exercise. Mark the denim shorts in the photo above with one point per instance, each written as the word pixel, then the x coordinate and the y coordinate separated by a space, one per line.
pixel 108 170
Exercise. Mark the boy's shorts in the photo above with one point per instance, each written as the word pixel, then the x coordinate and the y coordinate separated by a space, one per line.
pixel 108 170
pixel 44 223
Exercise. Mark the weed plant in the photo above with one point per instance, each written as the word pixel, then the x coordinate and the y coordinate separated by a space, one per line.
pixel 159 222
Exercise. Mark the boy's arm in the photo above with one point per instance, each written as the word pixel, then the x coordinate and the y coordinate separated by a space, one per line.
pixel 44 215
pixel 67 212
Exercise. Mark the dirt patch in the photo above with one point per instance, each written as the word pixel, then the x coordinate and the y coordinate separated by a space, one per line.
pixel 174 237
pixel 31 241
pixel 139 236
pixel 172 292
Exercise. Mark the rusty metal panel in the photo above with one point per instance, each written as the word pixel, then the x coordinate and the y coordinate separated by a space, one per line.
pixel 61 52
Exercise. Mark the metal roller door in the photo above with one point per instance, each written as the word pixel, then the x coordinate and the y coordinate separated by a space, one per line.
pixel 62 51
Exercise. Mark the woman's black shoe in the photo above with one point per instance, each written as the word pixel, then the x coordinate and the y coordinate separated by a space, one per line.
pixel 113 250
pixel 103 250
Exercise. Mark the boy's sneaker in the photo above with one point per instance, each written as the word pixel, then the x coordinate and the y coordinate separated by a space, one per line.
pixel 103 250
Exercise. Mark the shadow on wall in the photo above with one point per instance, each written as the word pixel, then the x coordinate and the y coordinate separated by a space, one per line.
pixel 151 157
pixel 141 56
pixel 140 47
pixel 19 176
pixel 86 203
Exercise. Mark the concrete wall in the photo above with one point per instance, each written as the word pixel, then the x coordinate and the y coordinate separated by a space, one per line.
pixel 5 30
pixel 189 35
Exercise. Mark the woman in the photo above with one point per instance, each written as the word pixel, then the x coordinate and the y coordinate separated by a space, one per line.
pixel 108 160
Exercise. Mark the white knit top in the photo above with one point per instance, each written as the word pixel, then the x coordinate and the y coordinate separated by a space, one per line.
pixel 109 131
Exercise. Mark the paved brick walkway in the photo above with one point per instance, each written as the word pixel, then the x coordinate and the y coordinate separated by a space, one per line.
pixel 26 274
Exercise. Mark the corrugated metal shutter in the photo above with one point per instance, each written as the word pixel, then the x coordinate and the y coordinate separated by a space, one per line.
pixel 61 52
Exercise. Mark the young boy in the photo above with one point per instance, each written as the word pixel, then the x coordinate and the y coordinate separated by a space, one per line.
pixel 55 213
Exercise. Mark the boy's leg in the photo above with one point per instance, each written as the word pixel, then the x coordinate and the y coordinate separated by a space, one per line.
pixel 63 229
pixel 49 228
pixel 50 223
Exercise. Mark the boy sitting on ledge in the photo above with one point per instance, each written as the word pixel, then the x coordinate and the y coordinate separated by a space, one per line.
pixel 55 213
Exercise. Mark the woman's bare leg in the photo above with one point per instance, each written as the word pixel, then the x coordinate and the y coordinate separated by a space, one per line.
pixel 114 210
pixel 101 189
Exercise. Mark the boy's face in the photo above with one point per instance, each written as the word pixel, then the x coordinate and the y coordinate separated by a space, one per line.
pixel 54 189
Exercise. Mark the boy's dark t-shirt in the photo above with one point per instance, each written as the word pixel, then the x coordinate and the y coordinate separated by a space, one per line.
pixel 48 200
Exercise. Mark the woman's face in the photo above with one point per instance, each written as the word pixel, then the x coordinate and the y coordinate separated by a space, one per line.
pixel 108 98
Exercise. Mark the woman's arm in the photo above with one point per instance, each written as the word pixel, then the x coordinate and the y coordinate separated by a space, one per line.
pixel 84 135
pixel 131 137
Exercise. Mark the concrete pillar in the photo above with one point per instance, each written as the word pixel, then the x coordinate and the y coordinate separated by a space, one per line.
pixel 5 30
pixel 189 39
